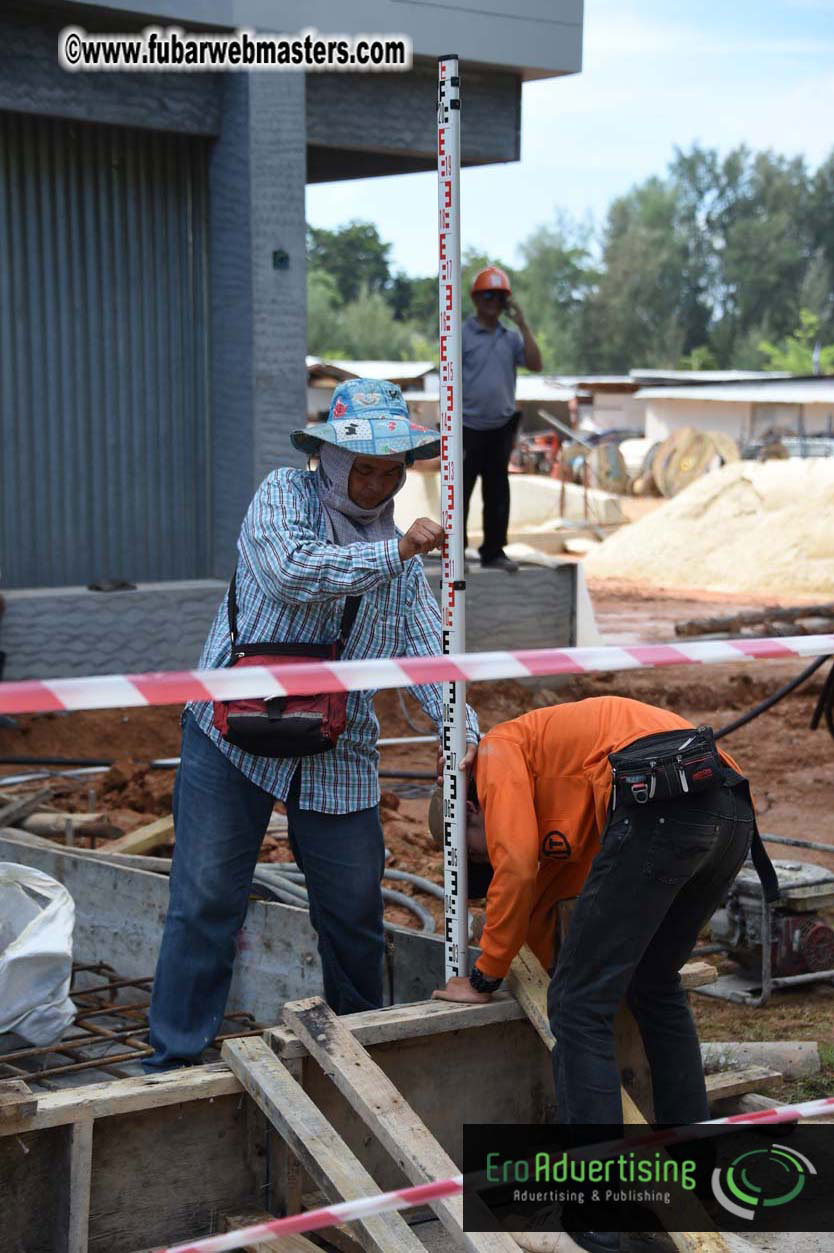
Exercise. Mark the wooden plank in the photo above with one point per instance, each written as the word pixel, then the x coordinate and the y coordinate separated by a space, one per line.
pixel 529 976
pixel 406 1022
pixel 124 1096
pixel 635 1072
pixel 292 1243
pixel 17 1101
pixel 288 1171
pixel 17 809
pixel 736 1082
pixel 143 839
pixel 322 1151
pixel 80 1179
pixel 528 981
pixel 339 1237
pixel 697 974
pixel 386 1113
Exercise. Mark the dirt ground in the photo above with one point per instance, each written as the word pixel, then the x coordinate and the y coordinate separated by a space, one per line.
pixel 791 770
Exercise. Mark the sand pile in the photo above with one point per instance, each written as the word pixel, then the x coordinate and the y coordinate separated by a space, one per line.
pixel 747 527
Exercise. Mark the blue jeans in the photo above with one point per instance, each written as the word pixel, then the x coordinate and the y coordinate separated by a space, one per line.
pixel 662 870
pixel 221 818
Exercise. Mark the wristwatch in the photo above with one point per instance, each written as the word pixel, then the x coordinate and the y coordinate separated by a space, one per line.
pixel 481 983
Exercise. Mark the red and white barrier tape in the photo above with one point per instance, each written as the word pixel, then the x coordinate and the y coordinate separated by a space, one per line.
pixel 405 1198
pixel 114 691
pixel 328 1216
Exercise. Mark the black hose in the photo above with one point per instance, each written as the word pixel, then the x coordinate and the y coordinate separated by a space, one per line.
pixel 823 704
pixel 407 774
pixel 56 761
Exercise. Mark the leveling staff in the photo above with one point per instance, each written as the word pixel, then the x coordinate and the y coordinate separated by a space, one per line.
pixel 544 825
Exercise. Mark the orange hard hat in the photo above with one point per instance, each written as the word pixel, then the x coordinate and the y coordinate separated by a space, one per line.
pixel 491 279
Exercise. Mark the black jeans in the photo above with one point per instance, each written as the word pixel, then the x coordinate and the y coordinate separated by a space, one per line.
pixel 662 870
pixel 487 453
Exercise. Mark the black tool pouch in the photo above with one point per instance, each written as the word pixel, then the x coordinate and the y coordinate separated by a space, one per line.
pixel 665 766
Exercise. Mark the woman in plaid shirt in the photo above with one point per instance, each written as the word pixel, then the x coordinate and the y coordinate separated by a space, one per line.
pixel 309 540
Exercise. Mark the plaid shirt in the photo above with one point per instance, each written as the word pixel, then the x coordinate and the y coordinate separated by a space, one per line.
pixel 291 586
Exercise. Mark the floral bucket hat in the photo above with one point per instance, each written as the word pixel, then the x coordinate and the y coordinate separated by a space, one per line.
pixel 369 417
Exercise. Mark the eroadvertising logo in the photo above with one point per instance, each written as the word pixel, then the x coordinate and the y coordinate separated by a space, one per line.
pixel 765 1177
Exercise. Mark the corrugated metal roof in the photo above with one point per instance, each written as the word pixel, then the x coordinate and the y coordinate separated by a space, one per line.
pixel 708 376
pixel 788 392
pixel 385 369
pixel 529 388
pixel 103 343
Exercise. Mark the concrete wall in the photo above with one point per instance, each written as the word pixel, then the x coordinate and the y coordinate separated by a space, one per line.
pixel 540 37
pixel 365 125
pixel 259 313
pixel 734 418
pixel 63 632
pixel 611 409
pixel 120 913
pixel 52 632
pixel 665 416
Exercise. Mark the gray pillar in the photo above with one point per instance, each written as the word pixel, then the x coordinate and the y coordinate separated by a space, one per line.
pixel 258 311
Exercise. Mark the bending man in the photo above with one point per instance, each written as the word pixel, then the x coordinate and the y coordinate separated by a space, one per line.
pixel 648 874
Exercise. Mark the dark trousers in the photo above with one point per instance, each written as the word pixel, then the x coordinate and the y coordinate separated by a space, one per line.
pixel 221 818
pixel 487 453
pixel 662 870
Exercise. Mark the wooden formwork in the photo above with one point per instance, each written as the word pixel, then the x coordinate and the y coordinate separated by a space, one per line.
pixel 369 1101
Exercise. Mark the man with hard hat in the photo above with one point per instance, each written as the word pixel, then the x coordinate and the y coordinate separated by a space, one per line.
pixel 491 354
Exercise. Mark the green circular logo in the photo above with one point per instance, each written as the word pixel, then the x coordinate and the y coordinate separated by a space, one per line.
pixel 761 1178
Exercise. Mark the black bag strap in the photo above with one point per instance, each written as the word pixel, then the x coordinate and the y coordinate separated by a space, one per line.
pixel 348 618
pixel 764 868
pixel 345 627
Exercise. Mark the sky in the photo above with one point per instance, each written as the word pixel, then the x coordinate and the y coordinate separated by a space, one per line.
pixel 656 74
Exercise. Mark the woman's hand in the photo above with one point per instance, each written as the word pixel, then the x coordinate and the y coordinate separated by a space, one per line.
pixel 466 764
pixel 423 536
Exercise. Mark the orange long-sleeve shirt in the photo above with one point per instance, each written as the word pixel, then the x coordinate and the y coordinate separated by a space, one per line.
pixel 544 783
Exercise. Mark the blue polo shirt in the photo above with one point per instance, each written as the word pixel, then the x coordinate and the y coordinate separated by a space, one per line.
pixel 490 359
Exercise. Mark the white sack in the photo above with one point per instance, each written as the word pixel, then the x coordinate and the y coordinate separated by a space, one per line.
pixel 36 921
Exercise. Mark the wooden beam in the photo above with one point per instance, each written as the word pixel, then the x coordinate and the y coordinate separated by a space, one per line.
pixel 80 1179
pixel 145 838
pixel 528 981
pixel 528 975
pixel 406 1022
pixel 14 810
pixel 293 1243
pixel 321 1150
pixel 287 1169
pixel 737 1082
pixel 17 1101
pixel 386 1113
pixel 697 974
pixel 123 1096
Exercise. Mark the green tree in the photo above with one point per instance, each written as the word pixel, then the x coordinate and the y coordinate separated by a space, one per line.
pixel 700 358
pixel 633 317
pixel 796 352
pixel 353 255
pixel 552 287
pixel 362 329
pixel 822 234
pixel 324 316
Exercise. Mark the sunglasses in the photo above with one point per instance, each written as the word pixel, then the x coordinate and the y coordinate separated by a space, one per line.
pixel 493 295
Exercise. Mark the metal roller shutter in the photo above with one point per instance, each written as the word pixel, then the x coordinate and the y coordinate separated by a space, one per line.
pixel 103 353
